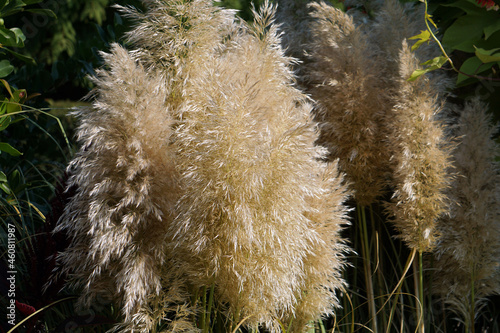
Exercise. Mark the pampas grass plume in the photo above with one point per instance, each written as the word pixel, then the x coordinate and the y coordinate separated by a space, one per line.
pixel 126 187
pixel 344 80
pixel 198 170
pixel 467 257
pixel 251 174
pixel 421 157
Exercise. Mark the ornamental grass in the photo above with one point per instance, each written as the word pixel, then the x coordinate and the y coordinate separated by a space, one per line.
pixel 466 260
pixel 198 175
pixel 238 177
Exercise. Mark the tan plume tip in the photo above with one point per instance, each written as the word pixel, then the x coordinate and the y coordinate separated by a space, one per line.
pixel 421 157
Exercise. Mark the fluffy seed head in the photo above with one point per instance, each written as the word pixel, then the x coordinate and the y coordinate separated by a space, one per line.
pixel 250 170
pixel 467 257
pixel 421 159
pixel 352 111
pixel 125 179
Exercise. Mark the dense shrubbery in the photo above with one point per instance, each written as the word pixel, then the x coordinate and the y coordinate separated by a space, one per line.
pixel 210 193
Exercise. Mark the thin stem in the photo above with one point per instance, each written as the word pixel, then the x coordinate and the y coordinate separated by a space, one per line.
pixel 472 304
pixel 420 307
pixel 209 308
pixel 365 246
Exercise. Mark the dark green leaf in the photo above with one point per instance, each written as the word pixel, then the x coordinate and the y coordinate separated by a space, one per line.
pixel 491 29
pixel 5 121
pixel 3 3
pixel 467 6
pixel 467 31
pixel 14 6
pixel 15 181
pixel 5 68
pixel 42 11
pixel 31 2
pixel 472 66
pixel 24 58
pixel 5 187
pixel 11 37
pixel 5 147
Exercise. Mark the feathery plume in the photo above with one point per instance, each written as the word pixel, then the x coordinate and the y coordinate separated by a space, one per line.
pixel 421 157
pixel 467 257
pixel 126 186
pixel 246 148
pixel 352 111
pixel 174 37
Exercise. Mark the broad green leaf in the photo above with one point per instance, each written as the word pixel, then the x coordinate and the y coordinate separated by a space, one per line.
pixel 19 34
pixel 3 3
pixel 487 55
pixel 469 7
pixel 5 147
pixel 467 31
pixel 12 7
pixel 417 73
pixel 491 29
pixel 5 68
pixel 3 177
pixel 22 57
pixel 423 37
pixel 472 66
pixel 42 11
pixel 436 62
pixel 31 2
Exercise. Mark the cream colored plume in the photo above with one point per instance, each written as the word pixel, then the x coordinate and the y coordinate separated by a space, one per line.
pixel 198 168
pixel 126 185
pixel 250 216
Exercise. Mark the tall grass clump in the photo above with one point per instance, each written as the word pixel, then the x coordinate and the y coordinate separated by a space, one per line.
pixel 466 260
pixel 386 132
pixel 200 194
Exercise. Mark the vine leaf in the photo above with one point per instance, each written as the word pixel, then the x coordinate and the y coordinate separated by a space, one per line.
pixel 487 56
pixel 423 36
pixel 432 64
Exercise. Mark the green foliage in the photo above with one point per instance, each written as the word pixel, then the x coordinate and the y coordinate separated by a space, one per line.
pixel 470 33
pixel 66 47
